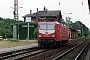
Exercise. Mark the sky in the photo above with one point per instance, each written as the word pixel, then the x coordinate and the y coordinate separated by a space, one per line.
pixel 80 12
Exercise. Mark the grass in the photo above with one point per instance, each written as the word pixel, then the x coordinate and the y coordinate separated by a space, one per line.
pixel 19 52
pixel 11 43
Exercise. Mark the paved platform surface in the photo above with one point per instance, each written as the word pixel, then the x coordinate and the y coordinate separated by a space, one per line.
pixel 17 48
pixel 88 55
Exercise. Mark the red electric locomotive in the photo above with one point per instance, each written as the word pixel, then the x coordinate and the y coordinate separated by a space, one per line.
pixel 52 33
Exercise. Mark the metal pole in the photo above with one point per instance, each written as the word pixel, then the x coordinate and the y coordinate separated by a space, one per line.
pixel 18 30
pixel 28 32
pixel 15 19
pixel 14 32
pixel 18 26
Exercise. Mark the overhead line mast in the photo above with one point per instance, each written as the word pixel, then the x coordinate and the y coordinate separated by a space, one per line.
pixel 16 10
pixel 15 35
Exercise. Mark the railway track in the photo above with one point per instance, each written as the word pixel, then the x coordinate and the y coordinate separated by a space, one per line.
pixel 50 55
pixel 39 53
pixel 15 54
pixel 73 53
pixel 27 56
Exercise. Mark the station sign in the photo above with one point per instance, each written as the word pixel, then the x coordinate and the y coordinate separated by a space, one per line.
pixel 27 26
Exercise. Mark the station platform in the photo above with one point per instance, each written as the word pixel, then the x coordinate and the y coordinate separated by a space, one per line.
pixel 4 50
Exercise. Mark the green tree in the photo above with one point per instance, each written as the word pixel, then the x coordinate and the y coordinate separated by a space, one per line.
pixel 1 18
pixel 68 22
pixel 85 29
pixel 6 27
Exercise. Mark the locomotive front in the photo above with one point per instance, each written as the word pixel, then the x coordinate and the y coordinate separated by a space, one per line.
pixel 46 33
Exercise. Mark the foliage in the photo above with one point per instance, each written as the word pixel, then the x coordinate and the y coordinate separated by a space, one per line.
pixel 68 22
pixel 5 27
pixel 84 30
pixel 23 30
pixel 35 32
pixel 1 18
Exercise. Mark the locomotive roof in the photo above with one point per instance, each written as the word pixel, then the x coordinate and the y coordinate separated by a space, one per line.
pixel 50 22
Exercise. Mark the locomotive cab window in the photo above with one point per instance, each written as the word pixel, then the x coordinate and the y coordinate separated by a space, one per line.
pixel 46 26
pixel 42 26
pixel 50 26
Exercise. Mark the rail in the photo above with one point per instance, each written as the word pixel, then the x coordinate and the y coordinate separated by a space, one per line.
pixel 18 52
pixel 63 54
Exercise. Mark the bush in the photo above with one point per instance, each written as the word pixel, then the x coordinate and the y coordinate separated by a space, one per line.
pixel 23 30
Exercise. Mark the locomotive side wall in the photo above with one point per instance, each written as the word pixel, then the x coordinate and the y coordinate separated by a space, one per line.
pixel 64 35
pixel 61 33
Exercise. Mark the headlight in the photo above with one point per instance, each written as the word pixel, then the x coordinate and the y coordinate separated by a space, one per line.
pixel 40 35
pixel 53 35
